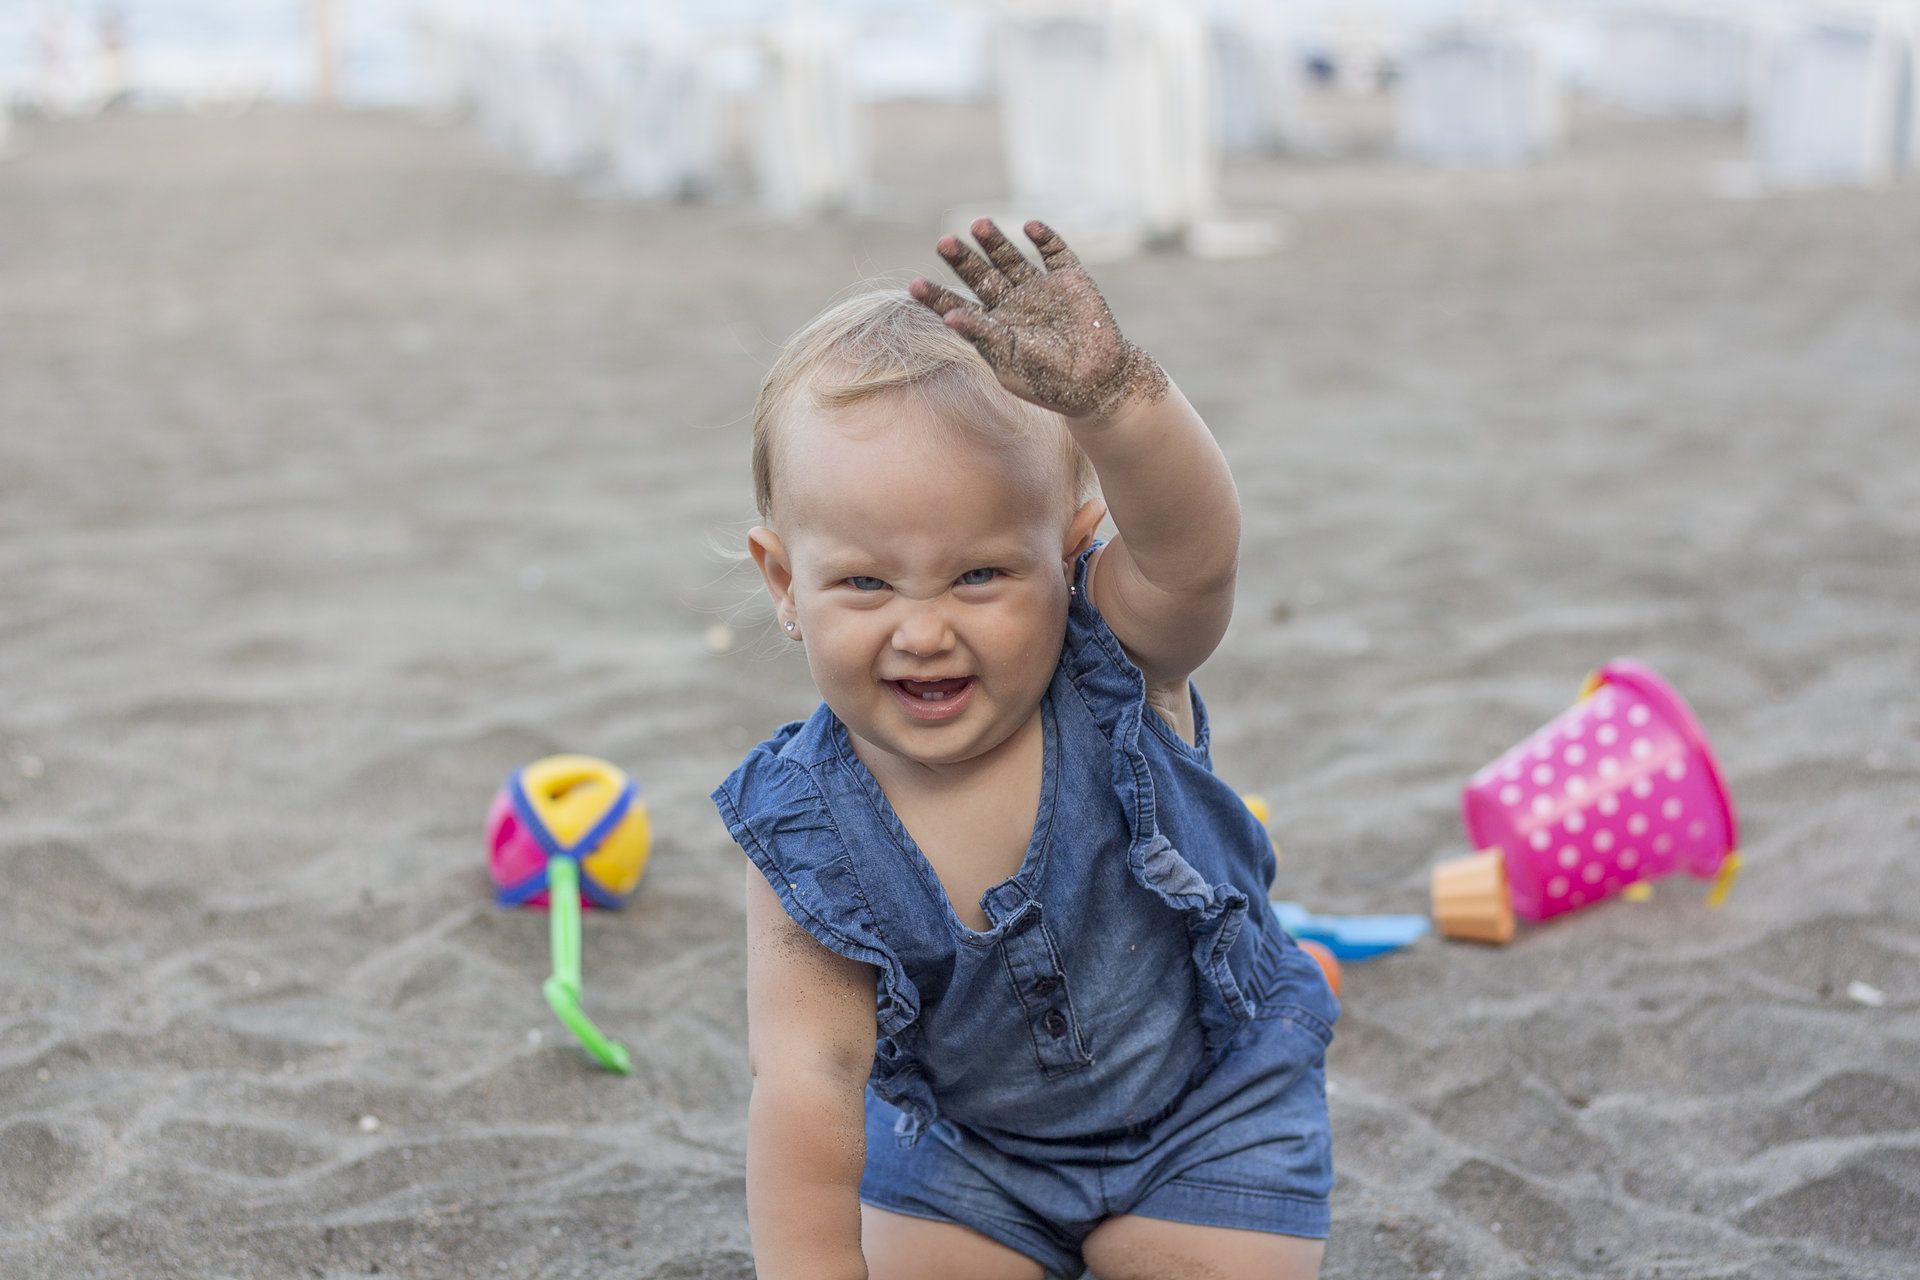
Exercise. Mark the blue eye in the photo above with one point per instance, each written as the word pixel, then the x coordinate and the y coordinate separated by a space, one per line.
pixel 978 577
pixel 866 584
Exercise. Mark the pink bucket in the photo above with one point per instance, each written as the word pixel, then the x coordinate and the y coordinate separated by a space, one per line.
pixel 1621 787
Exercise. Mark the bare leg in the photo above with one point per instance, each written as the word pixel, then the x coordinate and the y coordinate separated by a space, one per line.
pixel 902 1248
pixel 1135 1248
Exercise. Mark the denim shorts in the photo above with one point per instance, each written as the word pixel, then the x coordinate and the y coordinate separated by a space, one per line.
pixel 1248 1146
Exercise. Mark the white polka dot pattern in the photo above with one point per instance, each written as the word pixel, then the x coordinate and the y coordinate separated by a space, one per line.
pixel 1618 789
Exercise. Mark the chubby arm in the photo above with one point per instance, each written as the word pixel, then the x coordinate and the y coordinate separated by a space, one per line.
pixel 810 1035
pixel 1165 582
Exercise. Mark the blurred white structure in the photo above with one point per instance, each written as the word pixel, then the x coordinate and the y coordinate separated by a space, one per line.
pixel 1361 40
pixel 1479 95
pixel 1260 90
pixel 635 108
pixel 662 142
pixel 1107 118
pixel 79 61
pixel 76 68
pixel 207 82
pixel 1835 100
pixel 497 63
pixel 809 150
pixel 567 119
pixel 537 95
pixel 1667 59
pixel 445 75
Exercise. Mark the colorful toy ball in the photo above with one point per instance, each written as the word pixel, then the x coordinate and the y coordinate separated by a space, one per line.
pixel 564 831
pixel 575 808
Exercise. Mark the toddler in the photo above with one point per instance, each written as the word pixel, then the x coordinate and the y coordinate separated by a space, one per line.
pixel 1016 1004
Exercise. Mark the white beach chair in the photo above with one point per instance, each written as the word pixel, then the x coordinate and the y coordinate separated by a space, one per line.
pixel 502 62
pixel 446 74
pixel 1108 123
pixel 1164 103
pixel 1834 103
pixel 809 150
pixel 1676 61
pixel 1478 95
pixel 204 82
pixel 1260 91
pixel 72 75
pixel 568 120
pixel 1061 151
pixel 662 104
pixel 1361 42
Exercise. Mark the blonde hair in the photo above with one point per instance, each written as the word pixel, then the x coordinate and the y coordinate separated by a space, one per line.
pixel 881 342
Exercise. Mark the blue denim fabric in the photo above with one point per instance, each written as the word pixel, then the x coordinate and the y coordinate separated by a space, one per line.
pixel 1248 1147
pixel 1123 961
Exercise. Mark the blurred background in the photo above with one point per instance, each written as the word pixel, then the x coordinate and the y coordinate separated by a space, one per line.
pixel 1142 98
pixel 374 388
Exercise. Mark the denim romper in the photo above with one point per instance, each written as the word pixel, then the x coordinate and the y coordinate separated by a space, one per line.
pixel 1130 1035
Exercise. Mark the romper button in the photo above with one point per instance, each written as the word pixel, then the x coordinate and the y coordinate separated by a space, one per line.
pixel 1021 924
pixel 1055 1022
pixel 1046 986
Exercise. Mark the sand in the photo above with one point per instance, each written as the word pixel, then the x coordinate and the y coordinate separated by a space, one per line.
pixel 343 468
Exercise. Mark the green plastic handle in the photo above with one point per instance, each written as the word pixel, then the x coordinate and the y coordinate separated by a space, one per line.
pixel 563 988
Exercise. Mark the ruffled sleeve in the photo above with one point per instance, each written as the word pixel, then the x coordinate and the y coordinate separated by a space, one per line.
pixel 774 808
pixel 777 812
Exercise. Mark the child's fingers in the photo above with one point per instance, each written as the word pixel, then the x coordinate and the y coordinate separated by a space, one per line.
pixel 937 297
pixel 987 283
pixel 1053 250
pixel 963 315
pixel 1012 263
pixel 989 337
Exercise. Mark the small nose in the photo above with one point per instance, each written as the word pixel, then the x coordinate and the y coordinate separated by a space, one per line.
pixel 922 630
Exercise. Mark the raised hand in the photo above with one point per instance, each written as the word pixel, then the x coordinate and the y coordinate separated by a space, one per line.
pixel 1045 330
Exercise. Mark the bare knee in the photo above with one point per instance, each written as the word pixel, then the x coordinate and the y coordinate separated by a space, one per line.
pixel 1135 1248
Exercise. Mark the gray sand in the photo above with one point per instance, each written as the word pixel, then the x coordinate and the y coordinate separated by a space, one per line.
pixel 343 469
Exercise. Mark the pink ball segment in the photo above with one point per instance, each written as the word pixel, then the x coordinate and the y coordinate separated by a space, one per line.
pixel 567 806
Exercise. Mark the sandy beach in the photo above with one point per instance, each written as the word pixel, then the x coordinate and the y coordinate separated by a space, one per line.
pixel 344 468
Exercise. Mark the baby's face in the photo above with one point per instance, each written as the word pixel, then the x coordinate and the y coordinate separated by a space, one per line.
pixel 927 572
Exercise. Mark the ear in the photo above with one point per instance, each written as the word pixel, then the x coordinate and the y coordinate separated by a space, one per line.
pixel 770 554
pixel 1085 523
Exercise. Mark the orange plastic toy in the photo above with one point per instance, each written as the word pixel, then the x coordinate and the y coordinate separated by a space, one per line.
pixel 1328 965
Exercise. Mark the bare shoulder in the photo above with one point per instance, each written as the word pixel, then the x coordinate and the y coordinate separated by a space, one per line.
pixel 776 942
pixel 801 996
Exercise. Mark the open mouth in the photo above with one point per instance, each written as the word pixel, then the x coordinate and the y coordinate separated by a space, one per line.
pixel 932 700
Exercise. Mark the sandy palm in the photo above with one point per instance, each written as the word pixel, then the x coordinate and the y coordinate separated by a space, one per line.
pixel 1045 329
